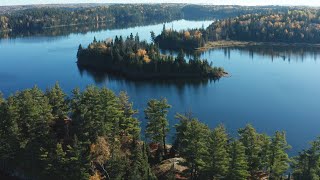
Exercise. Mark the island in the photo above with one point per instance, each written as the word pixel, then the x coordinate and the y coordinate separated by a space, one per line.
pixel 137 59
pixel 292 28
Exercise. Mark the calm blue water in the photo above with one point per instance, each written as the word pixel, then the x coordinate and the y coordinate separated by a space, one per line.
pixel 272 92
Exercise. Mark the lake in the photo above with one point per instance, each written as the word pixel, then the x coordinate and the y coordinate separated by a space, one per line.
pixel 271 88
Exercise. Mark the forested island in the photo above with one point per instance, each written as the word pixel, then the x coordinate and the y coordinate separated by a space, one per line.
pixel 94 134
pixel 137 59
pixel 291 28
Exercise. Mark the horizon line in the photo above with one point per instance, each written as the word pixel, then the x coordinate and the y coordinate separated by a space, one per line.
pixel 114 3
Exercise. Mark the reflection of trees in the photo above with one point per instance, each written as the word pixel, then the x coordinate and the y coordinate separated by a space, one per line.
pixel 100 77
pixel 286 53
pixel 82 29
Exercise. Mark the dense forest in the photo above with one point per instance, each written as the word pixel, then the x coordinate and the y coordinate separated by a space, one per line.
pixel 296 26
pixel 187 40
pixel 25 19
pixel 38 18
pixel 67 30
pixel 226 11
pixel 141 60
pixel 94 134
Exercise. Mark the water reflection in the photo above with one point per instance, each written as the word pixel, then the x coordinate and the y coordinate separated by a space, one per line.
pixel 179 85
pixel 272 52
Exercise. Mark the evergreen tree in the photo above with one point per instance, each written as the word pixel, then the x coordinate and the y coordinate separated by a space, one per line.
pixel 153 36
pixel 140 168
pixel 181 128
pixel 238 168
pixel 279 159
pixel 157 124
pixel 9 144
pixel 307 164
pixel 128 124
pixel 57 99
pixel 79 163
pixel 56 163
pixel 265 152
pixel 219 157
pixel 250 139
pixel 194 146
pixel 31 116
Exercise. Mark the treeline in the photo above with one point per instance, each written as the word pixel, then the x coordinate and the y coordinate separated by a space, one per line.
pixel 89 135
pixel 36 18
pixel 226 11
pixel 67 30
pixel 141 60
pixel 94 134
pixel 297 26
pixel 187 40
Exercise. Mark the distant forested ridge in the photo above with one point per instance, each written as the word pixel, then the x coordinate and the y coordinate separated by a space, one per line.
pixel 297 26
pixel 37 18
pixel 293 26
pixel 137 59
pixel 94 134
pixel 21 19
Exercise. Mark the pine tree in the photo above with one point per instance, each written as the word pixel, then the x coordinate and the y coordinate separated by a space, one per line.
pixel 57 99
pixel 307 164
pixel 194 146
pixel 56 163
pixel 157 124
pixel 250 139
pixel 279 159
pixel 79 163
pixel 9 145
pixel 139 168
pixel 219 157
pixel 238 168
pixel 153 36
pixel 31 112
pixel 96 112
pixel 128 124
pixel 265 152
pixel 181 128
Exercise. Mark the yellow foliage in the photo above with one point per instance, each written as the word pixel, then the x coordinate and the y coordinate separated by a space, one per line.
pixel 100 151
pixel 187 34
pixel 197 34
pixel 141 52
pixel 96 176
pixel 146 59
pixel 101 46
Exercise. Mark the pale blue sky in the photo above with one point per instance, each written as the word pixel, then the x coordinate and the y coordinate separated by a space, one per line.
pixel 218 2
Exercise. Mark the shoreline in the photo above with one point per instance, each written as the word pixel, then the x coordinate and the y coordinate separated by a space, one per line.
pixel 226 44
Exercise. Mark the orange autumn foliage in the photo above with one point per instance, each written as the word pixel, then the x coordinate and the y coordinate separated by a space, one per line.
pixel 187 34
pixel 141 52
pixel 146 59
